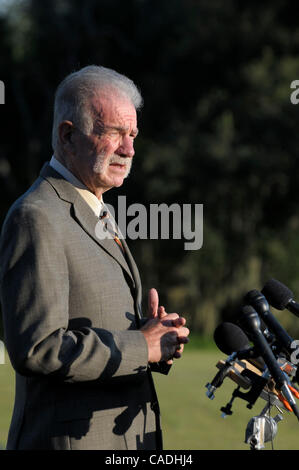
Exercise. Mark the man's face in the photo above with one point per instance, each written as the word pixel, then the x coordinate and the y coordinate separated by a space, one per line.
pixel 102 159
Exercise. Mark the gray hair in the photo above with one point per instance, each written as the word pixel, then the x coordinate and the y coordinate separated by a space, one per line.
pixel 73 95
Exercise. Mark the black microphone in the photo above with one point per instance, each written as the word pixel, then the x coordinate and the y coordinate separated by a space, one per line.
pixel 280 296
pixel 259 302
pixel 251 322
pixel 230 338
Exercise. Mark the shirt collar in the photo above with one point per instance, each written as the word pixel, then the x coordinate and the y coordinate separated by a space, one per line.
pixel 91 199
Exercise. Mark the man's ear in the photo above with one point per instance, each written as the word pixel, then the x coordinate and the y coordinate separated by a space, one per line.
pixel 65 131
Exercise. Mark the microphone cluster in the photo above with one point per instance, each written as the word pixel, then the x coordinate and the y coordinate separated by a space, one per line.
pixel 268 367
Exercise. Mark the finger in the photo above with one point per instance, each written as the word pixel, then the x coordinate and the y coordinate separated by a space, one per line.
pixel 180 347
pixel 182 340
pixel 161 312
pixel 177 355
pixel 168 318
pixel 153 303
pixel 180 321
pixel 179 351
pixel 183 331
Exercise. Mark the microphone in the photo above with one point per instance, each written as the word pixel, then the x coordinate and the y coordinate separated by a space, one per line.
pixel 280 296
pixel 251 322
pixel 230 338
pixel 259 302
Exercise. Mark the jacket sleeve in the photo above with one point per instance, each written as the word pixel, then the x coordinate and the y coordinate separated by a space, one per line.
pixel 34 280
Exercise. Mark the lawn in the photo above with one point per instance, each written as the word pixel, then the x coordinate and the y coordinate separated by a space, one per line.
pixel 189 419
pixel 7 391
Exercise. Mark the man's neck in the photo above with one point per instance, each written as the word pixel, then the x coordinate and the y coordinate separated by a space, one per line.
pixel 98 192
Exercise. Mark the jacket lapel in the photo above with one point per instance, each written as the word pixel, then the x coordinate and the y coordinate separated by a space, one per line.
pixel 136 276
pixel 88 220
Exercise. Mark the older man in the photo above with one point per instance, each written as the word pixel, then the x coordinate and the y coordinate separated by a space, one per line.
pixel 74 331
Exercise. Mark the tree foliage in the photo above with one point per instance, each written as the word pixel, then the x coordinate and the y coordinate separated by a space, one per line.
pixel 217 128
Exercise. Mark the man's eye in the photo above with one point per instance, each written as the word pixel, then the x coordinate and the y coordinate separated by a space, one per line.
pixel 113 133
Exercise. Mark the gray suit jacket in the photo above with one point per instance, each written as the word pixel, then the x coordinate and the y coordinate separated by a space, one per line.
pixel 71 313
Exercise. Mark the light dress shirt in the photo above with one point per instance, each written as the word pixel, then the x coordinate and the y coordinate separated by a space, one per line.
pixel 97 205
pixel 91 199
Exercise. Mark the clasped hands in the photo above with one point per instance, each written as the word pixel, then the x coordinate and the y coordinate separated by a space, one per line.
pixel 165 333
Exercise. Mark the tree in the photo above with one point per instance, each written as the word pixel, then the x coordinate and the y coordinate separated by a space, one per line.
pixel 217 128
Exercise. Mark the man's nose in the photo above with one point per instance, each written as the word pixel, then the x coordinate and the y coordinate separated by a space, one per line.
pixel 126 148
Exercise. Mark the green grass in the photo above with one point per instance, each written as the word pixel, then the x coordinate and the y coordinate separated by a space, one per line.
pixel 7 392
pixel 189 419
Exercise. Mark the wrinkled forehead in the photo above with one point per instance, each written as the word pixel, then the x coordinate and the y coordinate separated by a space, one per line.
pixel 114 109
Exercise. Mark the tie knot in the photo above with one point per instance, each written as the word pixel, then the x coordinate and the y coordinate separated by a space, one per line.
pixel 110 226
pixel 103 214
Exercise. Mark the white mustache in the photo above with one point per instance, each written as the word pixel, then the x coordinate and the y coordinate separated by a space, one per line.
pixel 100 164
pixel 120 160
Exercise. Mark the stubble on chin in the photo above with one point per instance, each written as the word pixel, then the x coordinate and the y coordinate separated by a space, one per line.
pixel 100 164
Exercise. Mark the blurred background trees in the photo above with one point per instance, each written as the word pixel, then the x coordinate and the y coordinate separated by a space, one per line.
pixel 217 128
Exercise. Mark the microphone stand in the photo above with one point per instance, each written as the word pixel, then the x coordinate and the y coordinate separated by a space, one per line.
pixel 262 428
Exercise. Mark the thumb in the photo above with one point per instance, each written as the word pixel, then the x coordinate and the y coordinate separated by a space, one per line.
pixel 153 303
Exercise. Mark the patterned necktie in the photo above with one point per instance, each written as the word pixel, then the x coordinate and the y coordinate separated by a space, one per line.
pixel 104 217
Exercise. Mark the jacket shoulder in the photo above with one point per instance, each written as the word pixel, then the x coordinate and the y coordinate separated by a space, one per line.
pixel 41 197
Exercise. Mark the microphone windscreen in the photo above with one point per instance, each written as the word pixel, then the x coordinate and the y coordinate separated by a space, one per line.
pixel 230 338
pixel 277 294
